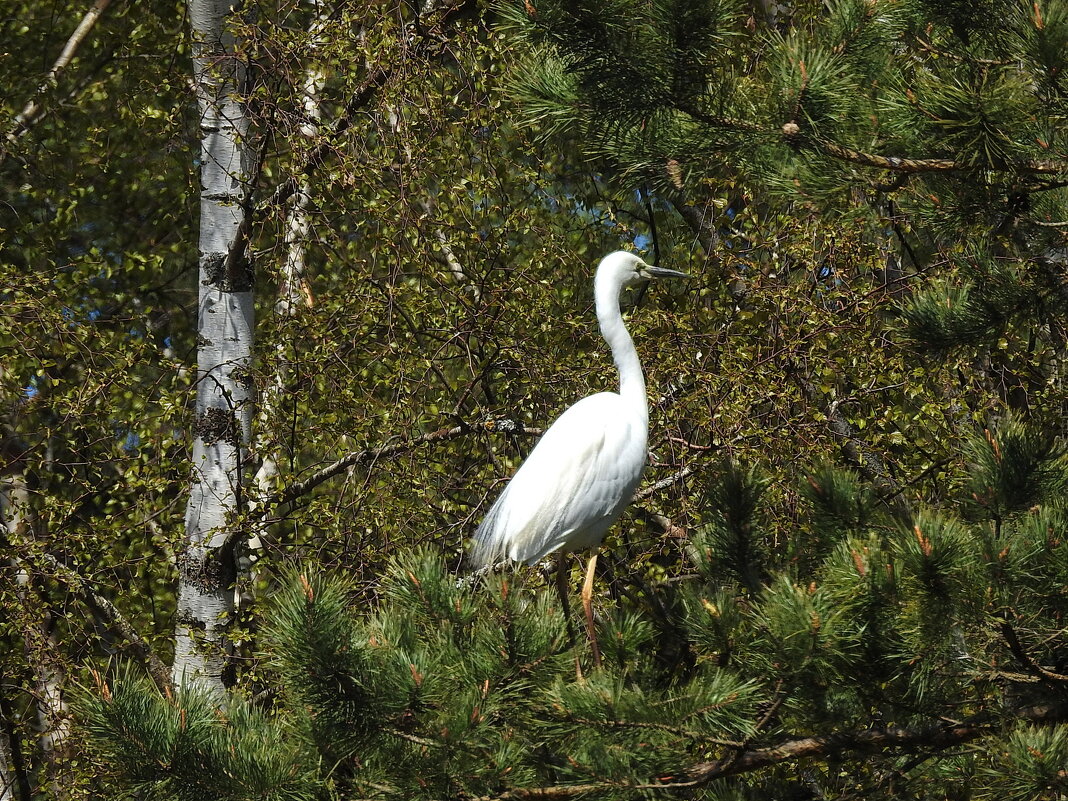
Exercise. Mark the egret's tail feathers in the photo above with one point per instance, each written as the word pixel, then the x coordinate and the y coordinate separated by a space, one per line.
pixel 487 547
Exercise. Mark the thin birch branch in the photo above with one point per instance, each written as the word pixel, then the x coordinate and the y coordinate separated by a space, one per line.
pixel 431 26
pixel 109 614
pixel 294 491
pixel 30 114
pixel 663 483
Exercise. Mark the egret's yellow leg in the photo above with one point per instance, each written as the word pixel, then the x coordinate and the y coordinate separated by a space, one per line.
pixel 587 606
pixel 562 590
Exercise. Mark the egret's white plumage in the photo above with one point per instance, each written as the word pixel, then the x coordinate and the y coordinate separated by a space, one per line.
pixel 584 470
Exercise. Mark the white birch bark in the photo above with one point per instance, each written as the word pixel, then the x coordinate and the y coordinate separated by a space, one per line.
pixel 293 290
pixel 7 770
pixel 292 293
pixel 42 651
pixel 448 255
pixel 12 489
pixel 224 353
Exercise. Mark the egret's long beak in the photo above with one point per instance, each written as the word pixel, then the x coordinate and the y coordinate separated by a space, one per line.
pixel 661 272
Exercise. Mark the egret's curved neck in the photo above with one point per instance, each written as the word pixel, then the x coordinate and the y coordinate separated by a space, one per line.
pixel 631 382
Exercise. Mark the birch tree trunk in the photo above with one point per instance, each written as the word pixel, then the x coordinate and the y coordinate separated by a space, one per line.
pixel 293 291
pixel 14 500
pixel 7 771
pixel 224 351
pixel 43 653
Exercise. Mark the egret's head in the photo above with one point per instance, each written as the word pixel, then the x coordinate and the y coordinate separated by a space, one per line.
pixel 625 269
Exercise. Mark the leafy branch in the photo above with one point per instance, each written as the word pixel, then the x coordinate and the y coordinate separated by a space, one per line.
pixel 109 614
pixel 371 455
pixel 33 109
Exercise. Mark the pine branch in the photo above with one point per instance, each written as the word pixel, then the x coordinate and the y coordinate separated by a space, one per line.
pixel 725 123
pixel 842 744
pixel 415 739
pixel 728 762
pixel 940 53
pixel 832 746
pixel 677 730
pixel 838 745
pixel 547 793
pixel 910 165
pixel 791 131
pixel 1017 650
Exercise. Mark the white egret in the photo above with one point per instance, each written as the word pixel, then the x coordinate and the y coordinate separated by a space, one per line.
pixel 584 470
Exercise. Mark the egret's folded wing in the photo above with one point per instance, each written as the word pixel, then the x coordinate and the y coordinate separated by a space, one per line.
pixel 573 485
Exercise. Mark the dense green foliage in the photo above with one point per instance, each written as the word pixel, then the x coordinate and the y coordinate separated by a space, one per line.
pixel 911 636
pixel 853 520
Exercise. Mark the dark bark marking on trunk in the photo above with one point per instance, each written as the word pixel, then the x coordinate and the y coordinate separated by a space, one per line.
pixel 227 275
pixel 208 571
pixel 217 425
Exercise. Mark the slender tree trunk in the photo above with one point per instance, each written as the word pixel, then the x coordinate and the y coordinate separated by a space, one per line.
pixel 13 497
pixel 293 293
pixel 14 777
pixel 43 654
pixel 42 650
pixel 224 353
pixel 7 771
pixel 293 290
